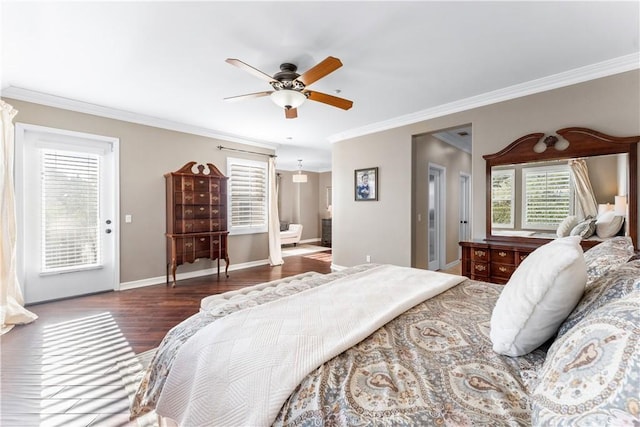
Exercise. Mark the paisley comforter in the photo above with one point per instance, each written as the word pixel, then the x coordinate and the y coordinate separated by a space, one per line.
pixel 432 365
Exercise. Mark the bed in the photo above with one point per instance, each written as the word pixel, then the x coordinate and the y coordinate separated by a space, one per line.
pixel 426 356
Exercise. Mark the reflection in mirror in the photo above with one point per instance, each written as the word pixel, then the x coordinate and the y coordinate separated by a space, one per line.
pixel 544 186
pixel 532 199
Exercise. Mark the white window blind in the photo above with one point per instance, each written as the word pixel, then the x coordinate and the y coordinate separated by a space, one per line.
pixel 547 196
pixel 70 210
pixel 502 198
pixel 247 195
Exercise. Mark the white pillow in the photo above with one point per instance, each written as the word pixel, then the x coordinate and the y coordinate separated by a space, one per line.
pixel 608 224
pixel 566 226
pixel 541 293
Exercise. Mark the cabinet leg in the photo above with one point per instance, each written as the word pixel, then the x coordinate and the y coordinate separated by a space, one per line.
pixel 174 267
pixel 226 265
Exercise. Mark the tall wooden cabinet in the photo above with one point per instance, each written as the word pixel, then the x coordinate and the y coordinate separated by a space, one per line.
pixel 196 216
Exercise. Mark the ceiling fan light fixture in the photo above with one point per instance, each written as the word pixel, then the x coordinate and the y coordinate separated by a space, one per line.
pixel 287 98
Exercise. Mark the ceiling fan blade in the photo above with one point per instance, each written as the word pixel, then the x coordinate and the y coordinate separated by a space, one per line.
pixel 317 72
pixel 334 101
pixel 291 113
pixel 248 68
pixel 249 95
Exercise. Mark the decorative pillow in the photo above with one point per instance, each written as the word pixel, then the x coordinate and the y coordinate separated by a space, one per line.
pixel 541 293
pixel 590 375
pixel 608 224
pixel 606 255
pixel 584 229
pixel 284 226
pixel 566 226
pixel 612 285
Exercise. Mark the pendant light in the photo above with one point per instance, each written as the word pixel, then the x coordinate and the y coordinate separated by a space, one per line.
pixel 299 177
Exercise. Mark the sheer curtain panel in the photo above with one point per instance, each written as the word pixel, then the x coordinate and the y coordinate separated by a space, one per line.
pixel 584 192
pixel 12 311
pixel 275 251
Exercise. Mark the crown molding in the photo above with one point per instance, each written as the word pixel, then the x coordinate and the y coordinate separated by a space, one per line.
pixel 97 110
pixel 567 78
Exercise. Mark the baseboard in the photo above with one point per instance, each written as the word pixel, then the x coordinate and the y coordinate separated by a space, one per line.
pixel 314 240
pixel 188 275
pixel 451 264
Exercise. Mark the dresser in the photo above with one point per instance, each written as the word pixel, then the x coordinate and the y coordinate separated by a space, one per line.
pixel 493 261
pixel 326 232
pixel 196 216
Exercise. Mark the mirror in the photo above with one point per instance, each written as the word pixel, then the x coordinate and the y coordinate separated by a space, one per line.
pixel 517 212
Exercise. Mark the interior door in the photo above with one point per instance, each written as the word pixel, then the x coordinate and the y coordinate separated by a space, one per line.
pixel 464 210
pixel 436 217
pixel 67 212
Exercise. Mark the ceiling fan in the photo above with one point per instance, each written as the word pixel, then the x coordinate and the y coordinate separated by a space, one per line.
pixel 290 88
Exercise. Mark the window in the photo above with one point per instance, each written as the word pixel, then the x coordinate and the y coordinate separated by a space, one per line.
pixel 502 198
pixel 247 196
pixel 70 210
pixel 546 196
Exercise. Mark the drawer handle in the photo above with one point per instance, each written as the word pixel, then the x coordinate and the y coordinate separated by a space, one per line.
pixel 215 211
pixel 215 199
pixel 188 245
pixel 201 182
pixel 201 222
pixel 215 185
pixel 215 224
pixel 201 209
pixel 202 239
pixel 480 253
pixel 187 185
pixel 502 254
pixel 522 257
pixel 202 195
pixel 188 211
pixel 188 225
pixel 503 269
pixel 480 267
pixel 188 197
pixel 216 241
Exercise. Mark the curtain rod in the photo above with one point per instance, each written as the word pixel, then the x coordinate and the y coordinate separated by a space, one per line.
pixel 220 147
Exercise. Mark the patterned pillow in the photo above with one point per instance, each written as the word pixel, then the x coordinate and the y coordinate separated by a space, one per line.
pixel 590 376
pixel 584 229
pixel 612 285
pixel 608 254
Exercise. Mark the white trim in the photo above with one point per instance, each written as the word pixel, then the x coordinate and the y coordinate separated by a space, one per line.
pixel 442 213
pixel 189 275
pixel 336 267
pixel 567 78
pixel 451 265
pixel 97 110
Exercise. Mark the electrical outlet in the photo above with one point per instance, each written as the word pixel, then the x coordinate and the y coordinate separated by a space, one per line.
pixel 127 218
pixel 368 258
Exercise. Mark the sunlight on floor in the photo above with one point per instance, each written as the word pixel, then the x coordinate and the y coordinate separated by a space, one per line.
pixel 80 375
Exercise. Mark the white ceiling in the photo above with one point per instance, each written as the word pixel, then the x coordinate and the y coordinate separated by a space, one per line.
pixel 163 63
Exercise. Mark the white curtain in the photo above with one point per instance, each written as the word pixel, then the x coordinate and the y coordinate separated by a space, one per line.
pixel 12 311
pixel 275 251
pixel 585 198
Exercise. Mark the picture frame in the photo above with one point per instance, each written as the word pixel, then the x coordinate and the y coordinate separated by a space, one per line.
pixel 366 185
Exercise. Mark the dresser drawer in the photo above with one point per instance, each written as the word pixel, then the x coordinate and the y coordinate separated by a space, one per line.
pixel 219 224
pixel 521 256
pixel 184 212
pixel 480 269
pixel 201 185
pixel 479 254
pixel 503 271
pixel 183 183
pixel 502 256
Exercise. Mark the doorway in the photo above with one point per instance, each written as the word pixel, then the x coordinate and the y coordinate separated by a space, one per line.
pixel 436 217
pixel 67 203
pixel 464 214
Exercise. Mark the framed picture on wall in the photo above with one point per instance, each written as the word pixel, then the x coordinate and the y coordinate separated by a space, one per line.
pixel 366 184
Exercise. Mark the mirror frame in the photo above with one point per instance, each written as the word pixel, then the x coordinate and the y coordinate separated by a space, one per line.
pixel 583 142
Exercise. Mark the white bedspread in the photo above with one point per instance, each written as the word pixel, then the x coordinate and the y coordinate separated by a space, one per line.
pixel 240 369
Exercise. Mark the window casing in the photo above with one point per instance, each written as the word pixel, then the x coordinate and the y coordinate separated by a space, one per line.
pixel 247 196
pixel 502 198
pixel 547 196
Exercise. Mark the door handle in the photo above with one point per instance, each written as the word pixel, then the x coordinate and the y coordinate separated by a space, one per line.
pixel 108 231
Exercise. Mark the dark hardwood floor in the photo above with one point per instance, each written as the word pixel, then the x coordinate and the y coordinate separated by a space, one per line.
pixel 62 369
